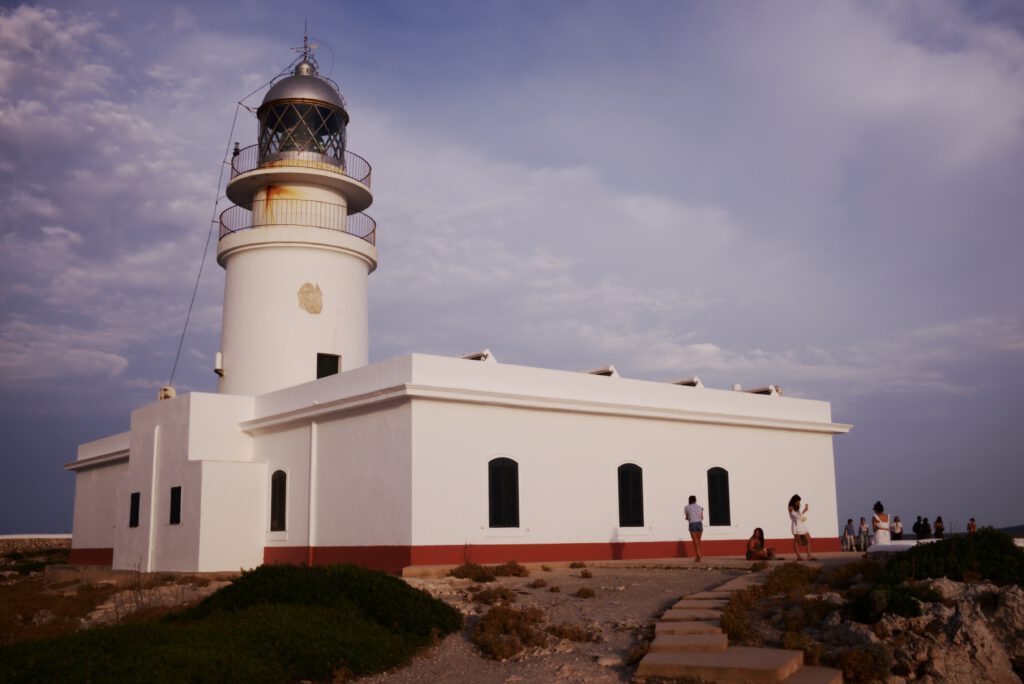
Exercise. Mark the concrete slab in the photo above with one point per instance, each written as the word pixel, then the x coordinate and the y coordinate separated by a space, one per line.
pixel 690 627
pixel 734 664
pixel 815 675
pixel 702 603
pixel 713 595
pixel 683 643
pixel 676 614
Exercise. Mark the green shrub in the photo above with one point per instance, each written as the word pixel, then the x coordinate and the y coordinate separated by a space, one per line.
pixel 472 571
pixel 510 569
pixel 585 593
pixel 801 642
pixel 555 589
pixel 790 578
pixel 586 574
pixel 900 599
pixel 274 624
pixel 537 584
pixel 848 574
pixel 576 565
pixel 495 595
pixel 806 612
pixel 987 553
pixel 504 631
pixel 869 663
pixel 735 619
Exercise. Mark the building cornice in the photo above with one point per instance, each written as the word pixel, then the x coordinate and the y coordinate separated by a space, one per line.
pixel 408 392
pixel 114 457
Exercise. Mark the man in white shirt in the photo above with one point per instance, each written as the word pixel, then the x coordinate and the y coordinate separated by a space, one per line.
pixel 695 517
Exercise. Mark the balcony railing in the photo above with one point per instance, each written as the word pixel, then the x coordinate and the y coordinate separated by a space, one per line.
pixel 354 166
pixel 297 212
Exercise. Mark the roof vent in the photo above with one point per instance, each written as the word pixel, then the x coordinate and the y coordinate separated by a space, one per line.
pixel 689 382
pixel 607 371
pixel 484 355
pixel 767 390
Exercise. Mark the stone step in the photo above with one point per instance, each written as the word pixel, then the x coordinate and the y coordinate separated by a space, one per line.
pixel 677 614
pixel 713 595
pixel 701 603
pixel 689 642
pixel 734 664
pixel 815 675
pixel 689 627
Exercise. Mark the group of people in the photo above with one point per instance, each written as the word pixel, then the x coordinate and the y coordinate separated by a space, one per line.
pixel 756 549
pixel 883 530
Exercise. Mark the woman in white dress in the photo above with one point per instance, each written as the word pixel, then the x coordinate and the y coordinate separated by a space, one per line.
pixel 880 524
pixel 798 525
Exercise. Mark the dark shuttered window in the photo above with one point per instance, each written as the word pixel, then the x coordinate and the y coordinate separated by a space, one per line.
pixel 718 497
pixel 631 495
pixel 175 505
pixel 278 501
pixel 133 512
pixel 503 492
pixel 327 364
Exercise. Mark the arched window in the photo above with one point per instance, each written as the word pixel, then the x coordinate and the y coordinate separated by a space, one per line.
pixel 631 495
pixel 278 501
pixel 503 492
pixel 718 497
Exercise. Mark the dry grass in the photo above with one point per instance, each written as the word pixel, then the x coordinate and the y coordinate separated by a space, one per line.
pixel 505 632
pixel 495 595
pixel 573 633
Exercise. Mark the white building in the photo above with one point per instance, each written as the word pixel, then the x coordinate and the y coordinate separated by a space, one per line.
pixel 309 455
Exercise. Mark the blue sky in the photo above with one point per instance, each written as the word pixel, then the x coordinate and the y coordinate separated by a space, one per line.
pixel 826 196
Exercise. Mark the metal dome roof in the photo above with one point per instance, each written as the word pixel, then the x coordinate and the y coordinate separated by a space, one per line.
pixel 304 84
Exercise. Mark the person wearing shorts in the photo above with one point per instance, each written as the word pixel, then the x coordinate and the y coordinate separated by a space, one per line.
pixel 695 517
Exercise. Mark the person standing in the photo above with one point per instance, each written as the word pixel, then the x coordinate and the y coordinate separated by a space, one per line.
pixel 916 529
pixel 862 536
pixel 849 543
pixel 695 517
pixel 940 527
pixel 880 523
pixel 798 525
pixel 926 530
pixel 972 526
pixel 897 529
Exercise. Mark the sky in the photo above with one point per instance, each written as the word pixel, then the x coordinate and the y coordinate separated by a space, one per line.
pixel 823 196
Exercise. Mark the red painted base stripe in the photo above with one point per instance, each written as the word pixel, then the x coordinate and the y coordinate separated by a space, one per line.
pixel 394 558
pixel 91 557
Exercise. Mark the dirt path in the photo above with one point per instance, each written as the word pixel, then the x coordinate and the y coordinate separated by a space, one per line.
pixel 626 601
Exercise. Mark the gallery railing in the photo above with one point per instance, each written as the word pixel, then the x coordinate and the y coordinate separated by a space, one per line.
pixel 353 166
pixel 298 212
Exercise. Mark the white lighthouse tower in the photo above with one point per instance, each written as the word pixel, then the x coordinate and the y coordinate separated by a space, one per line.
pixel 296 248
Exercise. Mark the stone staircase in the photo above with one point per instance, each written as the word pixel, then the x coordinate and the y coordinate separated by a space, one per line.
pixel 689 643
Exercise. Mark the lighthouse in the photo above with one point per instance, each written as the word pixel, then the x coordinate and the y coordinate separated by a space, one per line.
pixel 309 454
pixel 296 247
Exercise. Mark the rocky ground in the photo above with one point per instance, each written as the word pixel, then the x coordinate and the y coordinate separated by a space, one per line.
pixel 966 633
pixel 626 603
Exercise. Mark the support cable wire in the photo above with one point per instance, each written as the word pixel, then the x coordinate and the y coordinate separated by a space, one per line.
pixel 213 220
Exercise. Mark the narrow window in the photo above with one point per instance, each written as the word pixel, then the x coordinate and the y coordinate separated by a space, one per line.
pixel 326 364
pixel 175 505
pixel 133 512
pixel 631 495
pixel 278 492
pixel 718 497
pixel 503 488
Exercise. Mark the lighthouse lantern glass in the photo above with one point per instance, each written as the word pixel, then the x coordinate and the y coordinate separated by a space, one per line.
pixel 301 129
